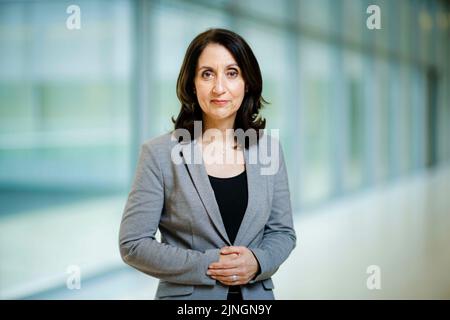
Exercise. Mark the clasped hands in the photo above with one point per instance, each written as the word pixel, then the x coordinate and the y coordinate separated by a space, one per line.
pixel 236 266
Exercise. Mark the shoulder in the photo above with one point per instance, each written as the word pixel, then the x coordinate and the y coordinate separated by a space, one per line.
pixel 270 153
pixel 160 144
pixel 270 141
pixel 156 151
pixel 272 137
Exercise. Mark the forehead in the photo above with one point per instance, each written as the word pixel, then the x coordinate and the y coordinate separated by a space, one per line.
pixel 215 55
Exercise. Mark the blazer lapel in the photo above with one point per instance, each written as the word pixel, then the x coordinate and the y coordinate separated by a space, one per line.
pixel 253 184
pixel 203 186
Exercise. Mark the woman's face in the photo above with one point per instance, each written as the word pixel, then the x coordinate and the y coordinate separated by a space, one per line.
pixel 219 85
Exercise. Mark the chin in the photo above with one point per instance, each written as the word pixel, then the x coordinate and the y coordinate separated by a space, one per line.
pixel 221 116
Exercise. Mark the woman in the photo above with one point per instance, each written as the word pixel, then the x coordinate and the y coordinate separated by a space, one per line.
pixel 225 227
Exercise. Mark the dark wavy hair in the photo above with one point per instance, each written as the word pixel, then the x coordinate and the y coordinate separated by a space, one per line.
pixel 247 116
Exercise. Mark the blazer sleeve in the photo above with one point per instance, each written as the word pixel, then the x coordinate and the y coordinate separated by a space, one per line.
pixel 279 235
pixel 138 246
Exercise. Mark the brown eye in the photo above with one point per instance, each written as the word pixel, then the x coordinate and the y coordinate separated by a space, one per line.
pixel 207 74
pixel 232 73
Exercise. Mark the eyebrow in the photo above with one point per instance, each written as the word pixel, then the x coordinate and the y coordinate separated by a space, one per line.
pixel 230 65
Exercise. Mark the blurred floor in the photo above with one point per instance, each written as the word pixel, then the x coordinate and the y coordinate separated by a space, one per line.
pixel 402 228
pixel 121 283
pixel 39 245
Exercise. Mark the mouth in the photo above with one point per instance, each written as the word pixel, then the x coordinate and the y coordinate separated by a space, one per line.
pixel 220 102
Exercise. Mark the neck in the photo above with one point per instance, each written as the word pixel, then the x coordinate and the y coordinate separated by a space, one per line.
pixel 225 126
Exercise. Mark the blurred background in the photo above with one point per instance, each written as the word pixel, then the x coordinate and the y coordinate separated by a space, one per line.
pixel 364 119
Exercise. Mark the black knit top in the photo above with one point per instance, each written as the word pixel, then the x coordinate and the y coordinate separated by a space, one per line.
pixel 232 197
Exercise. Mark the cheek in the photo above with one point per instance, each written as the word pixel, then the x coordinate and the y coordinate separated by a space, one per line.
pixel 203 92
pixel 238 91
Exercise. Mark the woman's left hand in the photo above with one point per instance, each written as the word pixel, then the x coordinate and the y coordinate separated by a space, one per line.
pixel 237 271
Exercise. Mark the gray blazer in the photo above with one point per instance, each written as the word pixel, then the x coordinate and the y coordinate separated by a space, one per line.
pixel 179 200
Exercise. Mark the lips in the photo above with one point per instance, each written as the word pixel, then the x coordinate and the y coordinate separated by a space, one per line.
pixel 219 102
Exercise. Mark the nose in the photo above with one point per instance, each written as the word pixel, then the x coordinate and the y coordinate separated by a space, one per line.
pixel 219 87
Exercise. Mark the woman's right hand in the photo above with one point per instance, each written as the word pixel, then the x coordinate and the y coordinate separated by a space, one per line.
pixel 236 266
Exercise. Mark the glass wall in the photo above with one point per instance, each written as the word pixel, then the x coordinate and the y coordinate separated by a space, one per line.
pixel 65 101
pixel 65 96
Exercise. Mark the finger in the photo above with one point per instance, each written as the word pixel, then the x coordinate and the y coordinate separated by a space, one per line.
pixel 239 283
pixel 232 283
pixel 231 249
pixel 233 255
pixel 226 282
pixel 223 265
pixel 224 272
pixel 230 280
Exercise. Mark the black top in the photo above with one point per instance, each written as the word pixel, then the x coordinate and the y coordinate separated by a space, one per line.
pixel 232 197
